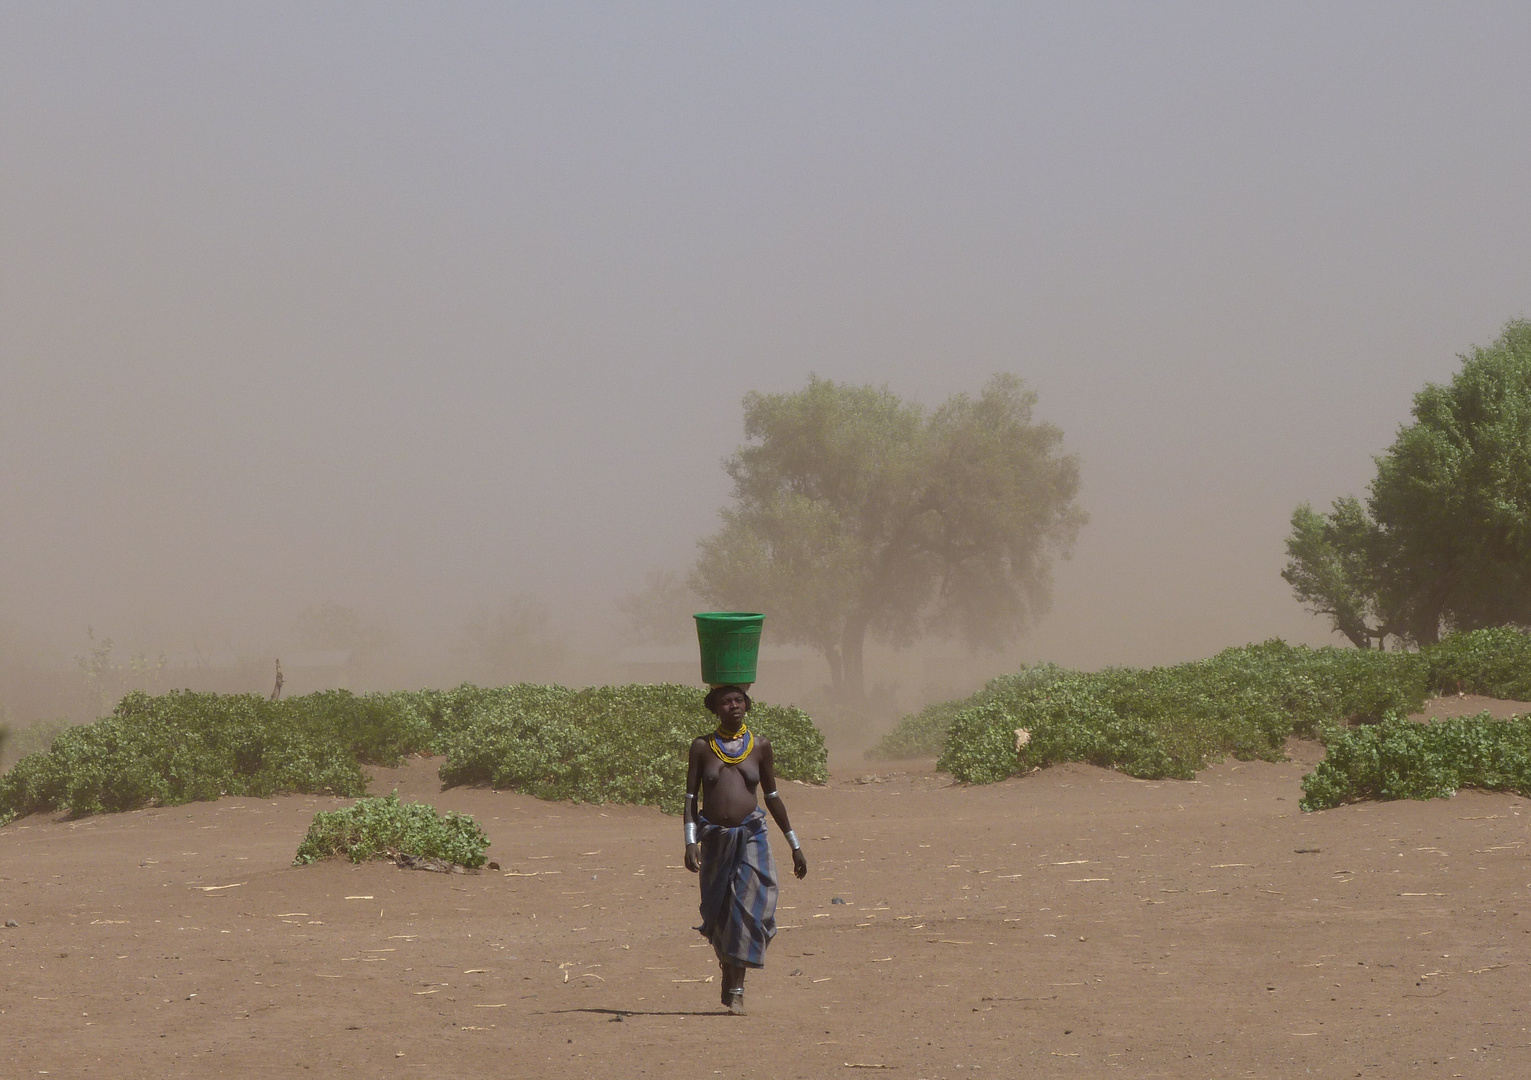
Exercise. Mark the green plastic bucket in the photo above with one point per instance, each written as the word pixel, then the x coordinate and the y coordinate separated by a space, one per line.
pixel 730 642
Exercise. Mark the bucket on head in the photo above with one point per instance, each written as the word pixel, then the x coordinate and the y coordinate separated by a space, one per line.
pixel 730 642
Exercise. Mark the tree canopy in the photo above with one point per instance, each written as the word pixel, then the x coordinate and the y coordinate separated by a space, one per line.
pixel 858 513
pixel 1444 539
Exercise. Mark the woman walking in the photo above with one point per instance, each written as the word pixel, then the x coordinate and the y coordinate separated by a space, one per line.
pixel 726 840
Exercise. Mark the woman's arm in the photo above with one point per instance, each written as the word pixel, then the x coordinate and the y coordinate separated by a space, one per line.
pixel 778 808
pixel 688 814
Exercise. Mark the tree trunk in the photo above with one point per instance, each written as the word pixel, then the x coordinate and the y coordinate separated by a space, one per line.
pixel 836 669
pixel 1357 631
pixel 1428 628
pixel 852 649
pixel 1431 610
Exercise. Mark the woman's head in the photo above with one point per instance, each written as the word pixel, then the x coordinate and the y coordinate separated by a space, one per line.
pixel 725 701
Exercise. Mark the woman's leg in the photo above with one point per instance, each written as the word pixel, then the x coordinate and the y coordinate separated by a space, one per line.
pixel 734 993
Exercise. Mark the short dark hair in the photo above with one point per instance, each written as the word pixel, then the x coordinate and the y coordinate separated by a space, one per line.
pixel 716 694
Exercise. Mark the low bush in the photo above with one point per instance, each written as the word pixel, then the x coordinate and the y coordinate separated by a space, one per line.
pixel 1495 662
pixel 924 733
pixel 603 744
pixel 181 747
pixel 1171 721
pixel 1402 759
pixel 378 729
pixel 384 827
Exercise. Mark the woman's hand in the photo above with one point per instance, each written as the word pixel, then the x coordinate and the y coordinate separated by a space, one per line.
pixel 694 859
pixel 799 864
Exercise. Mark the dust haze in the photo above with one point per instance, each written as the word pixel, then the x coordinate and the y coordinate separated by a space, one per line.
pixel 403 344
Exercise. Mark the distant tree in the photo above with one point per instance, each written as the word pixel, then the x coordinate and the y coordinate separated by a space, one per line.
pixel 660 613
pixel 857 513
pixel 514 642
pixel 1444 541
pixel 108 680
pixel 336 628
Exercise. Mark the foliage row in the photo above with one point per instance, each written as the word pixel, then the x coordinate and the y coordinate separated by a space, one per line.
pixel 602 744
pixel 623 743
pixel 377 828
pixel 1400 759
pixel 924 733
pixel 183 747
pixel 1495 662
pixel 1171 721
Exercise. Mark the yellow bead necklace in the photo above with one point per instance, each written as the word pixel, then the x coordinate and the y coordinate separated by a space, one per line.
pixel 749 744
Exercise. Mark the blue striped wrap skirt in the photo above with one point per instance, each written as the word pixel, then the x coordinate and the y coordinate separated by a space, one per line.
pixel 738 882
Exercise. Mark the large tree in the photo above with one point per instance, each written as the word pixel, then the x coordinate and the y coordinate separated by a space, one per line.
pixel 856 513
pixel 1444 540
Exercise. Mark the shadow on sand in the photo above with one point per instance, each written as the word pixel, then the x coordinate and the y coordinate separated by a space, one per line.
pixel 620 1013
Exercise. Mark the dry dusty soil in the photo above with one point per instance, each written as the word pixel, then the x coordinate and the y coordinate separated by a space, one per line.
pixel 1070 923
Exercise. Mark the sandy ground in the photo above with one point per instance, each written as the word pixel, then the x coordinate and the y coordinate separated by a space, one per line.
pixel 1071 923
pixel 1441 708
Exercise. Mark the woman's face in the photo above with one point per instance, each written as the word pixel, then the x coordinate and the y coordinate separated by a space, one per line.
pixel 731 708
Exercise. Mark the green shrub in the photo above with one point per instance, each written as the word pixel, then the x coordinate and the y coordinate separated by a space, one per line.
pixel 1495 662
pixel 924 733
pixel 602 744
pixel 1172 721
pixel 379 828
pixel 621 744
pixel 380 729
pixel 176 748
pixel 1243 702
pixel 1401 759
pixel 449 711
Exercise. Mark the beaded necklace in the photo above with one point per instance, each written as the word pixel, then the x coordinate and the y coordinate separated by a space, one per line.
pixel 749 744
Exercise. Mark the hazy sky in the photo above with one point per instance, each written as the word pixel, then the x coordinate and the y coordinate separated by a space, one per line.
pixel 412 307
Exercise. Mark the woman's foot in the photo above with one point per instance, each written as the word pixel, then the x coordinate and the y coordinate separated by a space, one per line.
pixel 733 987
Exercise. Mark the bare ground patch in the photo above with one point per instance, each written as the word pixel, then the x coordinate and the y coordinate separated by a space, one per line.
pixel 1074 922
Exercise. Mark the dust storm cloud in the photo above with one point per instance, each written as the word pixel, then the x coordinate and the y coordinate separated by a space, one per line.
pixel 423 331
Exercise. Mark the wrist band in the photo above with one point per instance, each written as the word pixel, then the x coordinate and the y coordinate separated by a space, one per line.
pixel 690 833
pixel 792 840
pixel 772 795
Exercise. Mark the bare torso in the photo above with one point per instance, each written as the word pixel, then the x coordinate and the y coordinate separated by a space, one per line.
pixel 728 791
pixel 727 788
